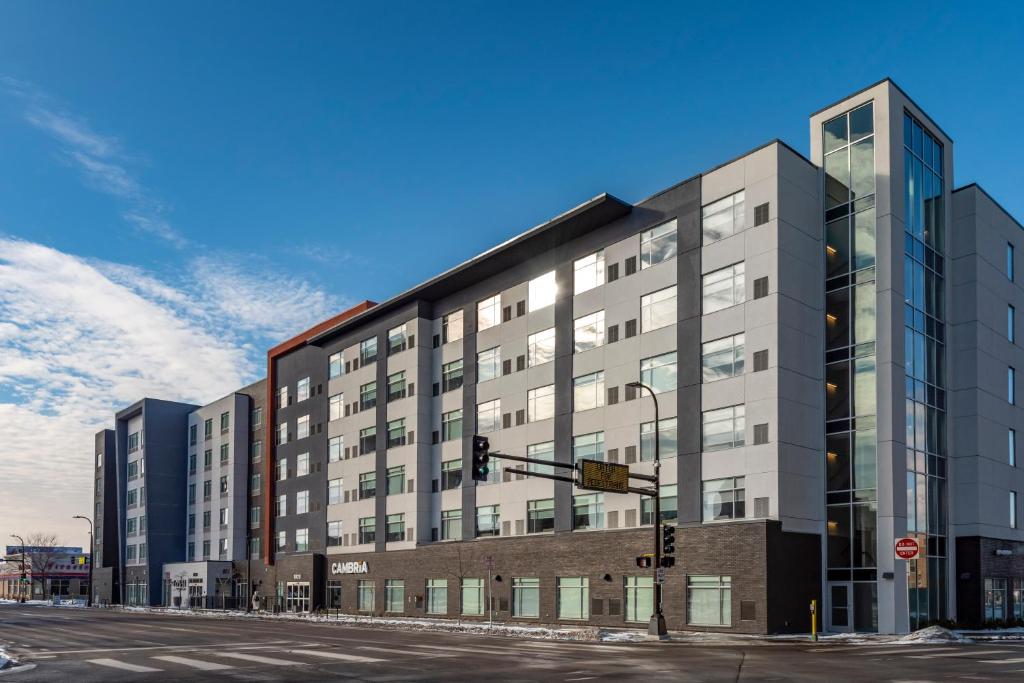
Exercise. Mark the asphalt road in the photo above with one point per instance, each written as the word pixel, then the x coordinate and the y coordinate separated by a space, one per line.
pixel 99 645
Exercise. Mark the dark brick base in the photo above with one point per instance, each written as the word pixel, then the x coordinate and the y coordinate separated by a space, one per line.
pixel 976 560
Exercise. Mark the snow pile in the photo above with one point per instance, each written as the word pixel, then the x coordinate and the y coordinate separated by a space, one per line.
pixel 934 634
pixel 6 661
pixel 622 636
pixel 1012 633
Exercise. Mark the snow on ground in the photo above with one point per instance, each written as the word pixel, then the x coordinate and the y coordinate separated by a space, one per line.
pixel 6 661
pixel 934 635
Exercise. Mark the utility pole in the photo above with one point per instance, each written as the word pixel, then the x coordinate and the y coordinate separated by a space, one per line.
pixel 21 584
pixel 92 553
pixel 657 626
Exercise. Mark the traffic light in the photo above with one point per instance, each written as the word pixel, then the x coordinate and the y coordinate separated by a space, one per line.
pixel 668 539
pixel 668 562
pixel 644 562
pixel 481 456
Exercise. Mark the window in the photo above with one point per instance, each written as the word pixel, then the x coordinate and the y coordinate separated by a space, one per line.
pixel 525 597
pixel 396 386
pixel 451 474
pixel 488 520
pixel 542 290
pixel 191 552
pixel 255 515
pixel 396 433
pixel 367 440
pixel 1011 323
pixel 588 272
pixel 257 452
pixel 281 507
pixel 659 372
pixel 588 511
pixel 191 440
pixel 367 485
pixel 282 540
pixel 451 375
pixel 191 494
pixel 1011 447
pixel 722 358
pixel 365 597
pixel 207 519
pixel 540 347
pixel 336 365
pixel 540 515
pixel 451 327
pixel 724 499
pixel 396 480
pixel 588 332
pixel 336 407
pixel 488 312
pixel 451 425
pixel 724 288
pixel 541 451
pixel 302 464
pixel 488 416
pixel 995 599
pixel 437 596
pixel 588 392
pixel 573 597
pixel 367 529
pixel 1013 509
pixel 1009 262
pixel 133 441
pixel 335 491
pixel 588 447
pixel 488 364
pixel 133 470
pixel 207 489
pixel 451 525
pixel 473 596
pixel 302 427
pixel 282 469
pixel 130 526
pixel 257 417
pixel 669 505
pixel 397 339
pixel 282 433
pixel 722 218
pixel 1011 385
pixel 540 403
pixel 709 600
pixel 368 396
pixel 334 535
pixel 191 522
pixel 639 591
pixel 368 351
pixel 658 309
pixel 658 244
pixel 335 448
pixel 301 391
pixel 207 459
pixel 394 595
pixel 282 397
pixel 130 553
pixel 723 428
pixel 395 528
pixel 667 439
pixel 301 502
pixel 223 517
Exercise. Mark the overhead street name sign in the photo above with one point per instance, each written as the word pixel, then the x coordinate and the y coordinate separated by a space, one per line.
pixel 604 476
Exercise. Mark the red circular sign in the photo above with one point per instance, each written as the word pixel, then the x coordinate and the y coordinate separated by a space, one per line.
pixel 907 548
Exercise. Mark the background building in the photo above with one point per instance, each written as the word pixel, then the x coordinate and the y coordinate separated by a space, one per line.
pixel 44 572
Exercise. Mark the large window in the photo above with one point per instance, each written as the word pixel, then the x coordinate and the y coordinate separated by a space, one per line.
pixel 367 529
pixel 488 312
pixel 488 520
pixel 668 441
pixel 995 599
pixel 588 272
pixel 723 288
pixel 573 597
pixel 396 386
pixel 301 464
pixel 367 440
pixel 301 394
pixel 281 507
pixel 669 505
pixel 451 425
pixel 451 327
pixel 588 332
pixel 488 416
pixel 396 432
pixel 709 600
pixel 659 372
pixel 335 491
pixel 540 403
pixel 302 427
pixel 542 291
pixel 302 540
pixel 368 351
pixel 540 515
pixel 588 391
pixel 451 525
pixel 451 375
pixel 658 309
pixel 396 480
pixel 525 597
pixel 301 502
pixel 335 448
pixel 367 485
pixel 395 527
pixel 368 396
pixel 588 511
pixel 488 364
pixel 541 451
pixel 398 339
pixel 722 218
pixel 365 595
pixel 639 592
pixel 588 447
pixel 473 597
pixel 437 596
pixel 451 474
pixel 723 428
pixel 540 347
pixel 336 407
pixel 724 499
pixel 722 358
pixel 336 365
pixel 658 244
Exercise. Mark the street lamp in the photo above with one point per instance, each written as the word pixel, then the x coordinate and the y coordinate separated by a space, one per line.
pixel 92 552
pixel 21 584
pixel 657 626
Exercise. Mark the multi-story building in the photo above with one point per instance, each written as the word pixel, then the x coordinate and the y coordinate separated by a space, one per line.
pixel 106 550
pixel 832 369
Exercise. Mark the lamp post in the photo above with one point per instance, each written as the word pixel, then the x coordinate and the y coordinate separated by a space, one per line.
pixel 657 626
pixel 92 553
pixel 21 584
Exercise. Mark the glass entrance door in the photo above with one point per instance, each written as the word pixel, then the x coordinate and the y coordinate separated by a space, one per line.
pixel 840 596
pixel 297 596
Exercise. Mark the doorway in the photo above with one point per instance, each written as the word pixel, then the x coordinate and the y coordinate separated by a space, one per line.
pixel 297 596
pixel 840 607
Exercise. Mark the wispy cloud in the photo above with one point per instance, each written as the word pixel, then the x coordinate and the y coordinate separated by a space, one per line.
pixel 99 159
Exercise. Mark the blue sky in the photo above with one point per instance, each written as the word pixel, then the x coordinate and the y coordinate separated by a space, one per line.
pixel 184 184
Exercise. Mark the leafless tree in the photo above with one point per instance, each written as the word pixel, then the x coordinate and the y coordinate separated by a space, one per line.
pixel 457 568
pixel 40 553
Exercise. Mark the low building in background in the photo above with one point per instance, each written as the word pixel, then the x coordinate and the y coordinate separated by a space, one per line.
pixel 44 573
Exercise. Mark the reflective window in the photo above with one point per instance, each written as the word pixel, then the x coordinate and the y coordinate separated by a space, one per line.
pixel 488 416
pixel 639 598
pixel 659 372
pixel 488 364
pixel 451 474
pixel 540 347
pixel 540 403
pixel 588 332
pixel 525 597
pixel 658 244
pixel 588 511
pixel 541 451
pixel 588 272
pixel 722 358
pixel 437 596
pixel 451 375
pixel 588 391
pixel 588 447
pixel 722 218
pixel 709 600
pixel 573 594
pixel 658 309
pixel 724 288
pixel 451 524
pixel 540 516
pixel 723 428
pixel 488 312
pixel 668 441
pixel 451 425
pixel 451 327
pixel 724 499
pixel 397 339
pixel 368 350
pixel 542 291
pixel 336 365
pixel 488 520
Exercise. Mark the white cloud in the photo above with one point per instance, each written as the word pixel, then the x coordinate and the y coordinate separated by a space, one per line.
pixel 82 338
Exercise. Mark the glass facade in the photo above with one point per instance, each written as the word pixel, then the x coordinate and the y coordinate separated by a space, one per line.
pixel 925 367
pixel 850 377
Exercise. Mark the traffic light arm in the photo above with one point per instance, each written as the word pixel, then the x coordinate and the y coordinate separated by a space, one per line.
pixel 535 461
pixel 556 477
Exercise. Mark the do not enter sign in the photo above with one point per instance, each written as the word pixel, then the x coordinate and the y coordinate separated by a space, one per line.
pixel 907 549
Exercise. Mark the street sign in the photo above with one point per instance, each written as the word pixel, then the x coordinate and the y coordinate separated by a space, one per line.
pixel 604 476
pixel 907 549
pixel 489 562
pixel 661 575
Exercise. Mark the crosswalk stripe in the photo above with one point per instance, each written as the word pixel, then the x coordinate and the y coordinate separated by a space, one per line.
pixel 259 660
pixel 906 649
pixel 966 652
pixel 336 655
pixel 389 650
pixel 194 663
pixel 1015 660
pixel 492 650
pixel 115 664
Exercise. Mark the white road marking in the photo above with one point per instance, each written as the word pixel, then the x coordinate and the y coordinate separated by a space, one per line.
pixel 964 653
pixel 336 655
pixel 406 653
pixel 194 663
pixel 492 650
pixel 259 660
pixel 906 649
pixel 1015 660
pixel 115 664
pixel 166 647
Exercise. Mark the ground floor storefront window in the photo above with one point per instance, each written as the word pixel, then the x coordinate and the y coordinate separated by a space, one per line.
pixel 995 599
pixel 297 596
pixel 365 596
pixel 573 597
pixel 709 600
pixel 394 596
pixel 136 593
pixel 437 596
pixel 526 597
pixel 639 598
pixel 473 597
pixel 334 595
pixel 1018 598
